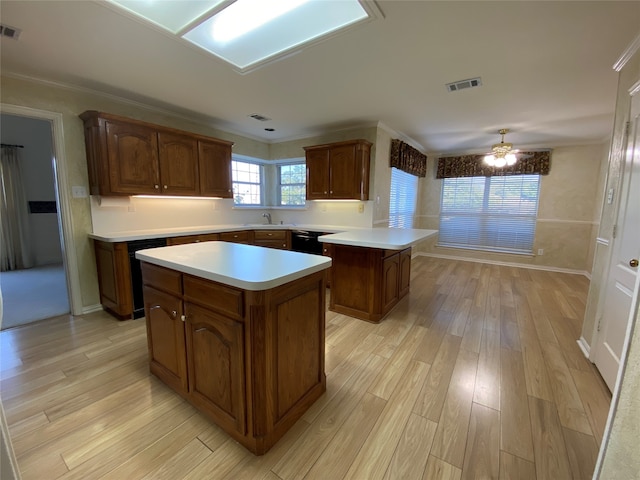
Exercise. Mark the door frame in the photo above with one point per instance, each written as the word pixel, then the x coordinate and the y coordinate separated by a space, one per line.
pixel 631 324
pixel 62 189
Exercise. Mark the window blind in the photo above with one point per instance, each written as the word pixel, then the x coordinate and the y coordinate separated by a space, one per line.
pixel 489 213
pixel 402 201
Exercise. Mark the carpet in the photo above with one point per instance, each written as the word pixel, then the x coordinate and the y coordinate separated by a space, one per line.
pixel 32 294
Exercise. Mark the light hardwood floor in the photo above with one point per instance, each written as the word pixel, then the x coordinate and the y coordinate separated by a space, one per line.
pixel 475 374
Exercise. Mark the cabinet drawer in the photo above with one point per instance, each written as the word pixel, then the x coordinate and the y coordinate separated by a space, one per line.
pixel 280 244
pixel 237 237
pixel 203 237
pixel 219 298
pixel 270 235
pixel 162 278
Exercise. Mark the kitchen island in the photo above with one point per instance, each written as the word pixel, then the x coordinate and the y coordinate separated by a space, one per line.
pixel 371 269
pixel 238 331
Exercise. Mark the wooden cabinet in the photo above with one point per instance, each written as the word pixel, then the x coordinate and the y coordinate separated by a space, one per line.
pixel 178 160
pixel 184 239
pixel 367 283
pixel 114 278
pixel 241 236
pixel 252 362
pixel 338 170
pixel 327 251
pixel 130 157
pixel 214 161
pixel 272 238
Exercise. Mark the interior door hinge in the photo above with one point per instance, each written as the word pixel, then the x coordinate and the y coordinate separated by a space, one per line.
pixel 599 324
pixel 615 231
pixel 627 130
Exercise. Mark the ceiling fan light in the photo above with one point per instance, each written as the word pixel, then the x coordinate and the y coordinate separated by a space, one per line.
pixel 510 158
pixel 500 162
pixel 490 160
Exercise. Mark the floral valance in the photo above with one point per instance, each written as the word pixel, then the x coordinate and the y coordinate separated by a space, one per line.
pixel 407 158
pixel 473 166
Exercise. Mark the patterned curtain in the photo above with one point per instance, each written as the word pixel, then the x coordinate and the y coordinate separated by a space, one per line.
pixel 407 158
pixel 473 166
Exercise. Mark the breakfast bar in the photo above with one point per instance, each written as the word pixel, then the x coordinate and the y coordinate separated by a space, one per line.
pixel 371 269
pixel 238 331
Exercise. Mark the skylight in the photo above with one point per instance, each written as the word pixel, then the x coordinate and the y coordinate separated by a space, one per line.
pixel 251 33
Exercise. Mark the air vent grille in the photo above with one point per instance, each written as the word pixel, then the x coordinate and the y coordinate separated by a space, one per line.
pixel 9 32
pixel 464 84
pixel 259 117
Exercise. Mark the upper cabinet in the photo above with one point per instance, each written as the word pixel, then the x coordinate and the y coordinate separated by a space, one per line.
pixel 338 170
pixel 129 157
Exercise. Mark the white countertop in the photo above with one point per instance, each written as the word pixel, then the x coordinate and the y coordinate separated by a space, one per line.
pixel 182 231
pixel 384 238
pixel 243 266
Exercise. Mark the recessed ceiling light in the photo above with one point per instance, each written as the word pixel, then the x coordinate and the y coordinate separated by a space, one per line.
pixel 270 129
pixel 251 33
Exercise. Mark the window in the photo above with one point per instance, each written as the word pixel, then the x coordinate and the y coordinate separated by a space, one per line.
pixel 489 213
pixel 247 183
pixel 402 202
pixel 291 184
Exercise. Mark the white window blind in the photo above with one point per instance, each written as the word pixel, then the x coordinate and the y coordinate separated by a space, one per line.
pixel 403 197
pixel 489 213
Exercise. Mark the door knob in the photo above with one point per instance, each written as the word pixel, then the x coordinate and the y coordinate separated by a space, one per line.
pixel 633 262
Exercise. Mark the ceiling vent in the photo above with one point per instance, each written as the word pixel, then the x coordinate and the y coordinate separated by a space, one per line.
pixel 464 84
pixel 10 32
pixel 257 116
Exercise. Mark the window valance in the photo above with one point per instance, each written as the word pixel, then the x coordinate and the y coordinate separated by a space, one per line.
pixel 528 163
pixel 407 158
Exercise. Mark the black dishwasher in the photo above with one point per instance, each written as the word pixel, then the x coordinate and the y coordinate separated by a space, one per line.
pixel 306 241
pixel 136 272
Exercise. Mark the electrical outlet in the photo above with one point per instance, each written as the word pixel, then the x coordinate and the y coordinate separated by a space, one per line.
pixel 361 208
pixel 78 192
pixel 541 251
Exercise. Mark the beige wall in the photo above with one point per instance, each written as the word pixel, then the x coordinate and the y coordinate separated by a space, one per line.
pixel 568 202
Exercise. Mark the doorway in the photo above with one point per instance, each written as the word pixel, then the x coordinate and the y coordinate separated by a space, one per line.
pixel 38 288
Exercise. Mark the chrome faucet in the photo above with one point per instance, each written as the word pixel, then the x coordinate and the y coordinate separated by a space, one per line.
pixel 268 217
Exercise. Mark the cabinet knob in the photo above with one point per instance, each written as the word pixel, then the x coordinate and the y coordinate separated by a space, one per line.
pixel 165 187
pixel 174 314
pixel 156 187
pixel 183 318
pixel 325 192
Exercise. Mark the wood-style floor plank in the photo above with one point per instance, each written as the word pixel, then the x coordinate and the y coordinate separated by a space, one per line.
pixel 474 374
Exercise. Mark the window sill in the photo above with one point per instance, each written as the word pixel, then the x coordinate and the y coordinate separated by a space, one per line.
pixel 268 207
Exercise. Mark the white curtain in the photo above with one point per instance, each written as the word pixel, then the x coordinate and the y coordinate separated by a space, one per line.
pixel 15 250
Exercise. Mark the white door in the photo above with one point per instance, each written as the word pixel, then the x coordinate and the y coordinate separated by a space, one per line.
pixel 623 269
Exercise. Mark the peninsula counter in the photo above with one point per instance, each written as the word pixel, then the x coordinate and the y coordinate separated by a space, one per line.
pixel 238 331
pixel 371 269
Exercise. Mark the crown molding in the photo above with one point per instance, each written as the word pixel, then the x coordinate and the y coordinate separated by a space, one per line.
pixel 633 47
pixel 401 136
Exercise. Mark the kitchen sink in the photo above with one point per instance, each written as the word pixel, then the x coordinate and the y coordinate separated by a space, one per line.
pixel 274 226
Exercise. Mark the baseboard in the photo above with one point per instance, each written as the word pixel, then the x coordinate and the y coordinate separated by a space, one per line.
pixel 92 309
pixel 505 264
pixel 584 346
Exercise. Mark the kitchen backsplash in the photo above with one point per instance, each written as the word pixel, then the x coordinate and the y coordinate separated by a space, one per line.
pixel 121 215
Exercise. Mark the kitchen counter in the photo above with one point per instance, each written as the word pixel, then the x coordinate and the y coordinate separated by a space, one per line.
pixel 385 238
pixel 131 235
pixel 242 266
pixel 239 332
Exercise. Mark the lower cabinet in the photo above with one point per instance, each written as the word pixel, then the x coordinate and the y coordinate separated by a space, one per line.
pixel 273 239
pixel 367 283
pixel 114 278
pixel 252 362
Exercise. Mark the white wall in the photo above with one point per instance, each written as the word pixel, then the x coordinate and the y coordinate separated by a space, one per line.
pixel 37 169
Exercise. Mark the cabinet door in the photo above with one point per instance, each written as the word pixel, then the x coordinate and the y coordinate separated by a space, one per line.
pixel 345 173
pixel 114 278
pixel 317 174
pixel 242 236
pixel 133 159
pixel 215 358
pixel 178 155
pixel 390 274
pixel 166 338
pixel 214 160
pixel 405 272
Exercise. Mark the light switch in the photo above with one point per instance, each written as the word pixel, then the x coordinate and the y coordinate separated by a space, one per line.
pixel 78 191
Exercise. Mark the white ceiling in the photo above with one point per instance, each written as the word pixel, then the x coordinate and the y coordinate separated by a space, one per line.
pixel 546 69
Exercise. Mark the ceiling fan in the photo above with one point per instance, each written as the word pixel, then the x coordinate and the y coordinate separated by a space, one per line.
pixel 501 153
